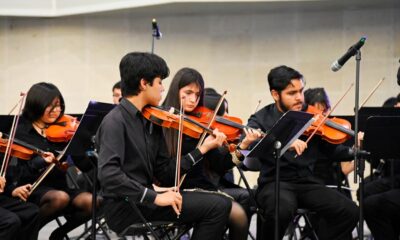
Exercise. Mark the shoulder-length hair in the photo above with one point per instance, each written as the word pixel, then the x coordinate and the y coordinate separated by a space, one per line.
pixel 38 98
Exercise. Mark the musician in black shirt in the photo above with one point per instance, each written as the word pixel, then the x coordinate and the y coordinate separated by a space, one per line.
pixel 19 220
pixel 44 106
pixel 299 189
pixel 132 153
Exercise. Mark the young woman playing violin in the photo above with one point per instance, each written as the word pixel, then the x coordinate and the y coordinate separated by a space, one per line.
pixel 43 107
pixel 188 84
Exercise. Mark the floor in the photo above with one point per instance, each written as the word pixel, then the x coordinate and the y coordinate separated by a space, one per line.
pixel 46 231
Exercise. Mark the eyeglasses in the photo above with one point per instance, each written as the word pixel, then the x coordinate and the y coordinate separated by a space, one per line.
pixel 54 108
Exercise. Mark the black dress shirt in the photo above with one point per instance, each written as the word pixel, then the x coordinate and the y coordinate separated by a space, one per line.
pixel 293 169
pixel 132 153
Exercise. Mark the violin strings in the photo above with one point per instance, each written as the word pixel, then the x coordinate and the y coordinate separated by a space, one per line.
pixel 7 153
pixel 328 114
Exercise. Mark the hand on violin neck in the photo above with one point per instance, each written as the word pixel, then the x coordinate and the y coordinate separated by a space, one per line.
pixel 251 136
pixel 49 157
pixel 217 139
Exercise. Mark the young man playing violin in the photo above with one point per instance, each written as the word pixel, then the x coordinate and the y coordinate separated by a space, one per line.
pixel 298 188
pixel 132 153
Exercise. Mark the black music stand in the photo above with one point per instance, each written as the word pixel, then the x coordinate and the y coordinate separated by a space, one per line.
pixel 381 140
pixel 278 139
pixel 81 147
pixel 5 123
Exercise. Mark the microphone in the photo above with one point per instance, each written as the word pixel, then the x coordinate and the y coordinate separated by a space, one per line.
pixel 156 31
pixel 338 64
pixel 398 76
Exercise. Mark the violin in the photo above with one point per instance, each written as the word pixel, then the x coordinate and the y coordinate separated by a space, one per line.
pixel 20 149
pixel 229 125
pixel 167 119
pixel 63 129
pixel 333 130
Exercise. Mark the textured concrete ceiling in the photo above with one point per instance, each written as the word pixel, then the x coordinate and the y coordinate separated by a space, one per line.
pixel 59 8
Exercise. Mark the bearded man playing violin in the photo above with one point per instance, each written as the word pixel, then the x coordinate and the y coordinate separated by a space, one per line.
pixel 298 187
pixel 133 152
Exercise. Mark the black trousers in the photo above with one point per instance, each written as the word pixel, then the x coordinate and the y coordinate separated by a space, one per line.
pixel 208 212
pixel 18 220
pixel 339 212
pixel 382 213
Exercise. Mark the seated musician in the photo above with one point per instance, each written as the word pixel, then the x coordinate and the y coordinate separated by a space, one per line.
pixel 132 153
pixel 298 187
pixel 19 220
pixel 208 174
pixel 382 194
pixel 331 172
pixel 45 105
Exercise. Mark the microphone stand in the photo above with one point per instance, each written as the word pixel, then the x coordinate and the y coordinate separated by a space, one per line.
pixel 359 162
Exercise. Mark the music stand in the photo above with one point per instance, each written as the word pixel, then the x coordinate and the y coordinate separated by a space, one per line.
pixel 278 139
pixel 81 146
pixel 5 123
pixel 381 140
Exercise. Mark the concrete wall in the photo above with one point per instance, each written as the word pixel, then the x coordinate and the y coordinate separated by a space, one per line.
pixel 233 50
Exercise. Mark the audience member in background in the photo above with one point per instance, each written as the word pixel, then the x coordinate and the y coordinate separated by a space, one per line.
pixel 116 91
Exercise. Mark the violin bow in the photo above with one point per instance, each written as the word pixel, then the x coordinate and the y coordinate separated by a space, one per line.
pixel 258 105
pixel 179 150
pixel 328 114
pixel 372 92
pixel 48 169
pixel 221 100
pixel 13 129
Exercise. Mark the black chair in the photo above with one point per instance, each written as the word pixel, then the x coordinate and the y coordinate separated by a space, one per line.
pixel 306 231
pixel 299 230
pixel 157 229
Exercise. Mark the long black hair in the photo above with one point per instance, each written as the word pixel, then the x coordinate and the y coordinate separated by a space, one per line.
pixel 182 78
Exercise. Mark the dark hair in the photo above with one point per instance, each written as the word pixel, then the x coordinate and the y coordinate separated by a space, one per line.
pixel 398 75
pixel 211 99
pixel 38 98
pixel 398 98
pixel 182 78
pixel 135 66
pixel 117 85
pixel 280 77
pixel 316 95
pixel 390 102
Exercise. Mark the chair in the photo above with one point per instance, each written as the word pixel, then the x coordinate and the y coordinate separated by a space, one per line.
pixel 301 230
pixel 306 230
pixel 252 164
pixel 157 229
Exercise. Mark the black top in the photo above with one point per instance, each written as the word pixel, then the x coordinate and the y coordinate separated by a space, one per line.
pixel 299 169
pixel 30 170
pixel 206 174
pixel 132 153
